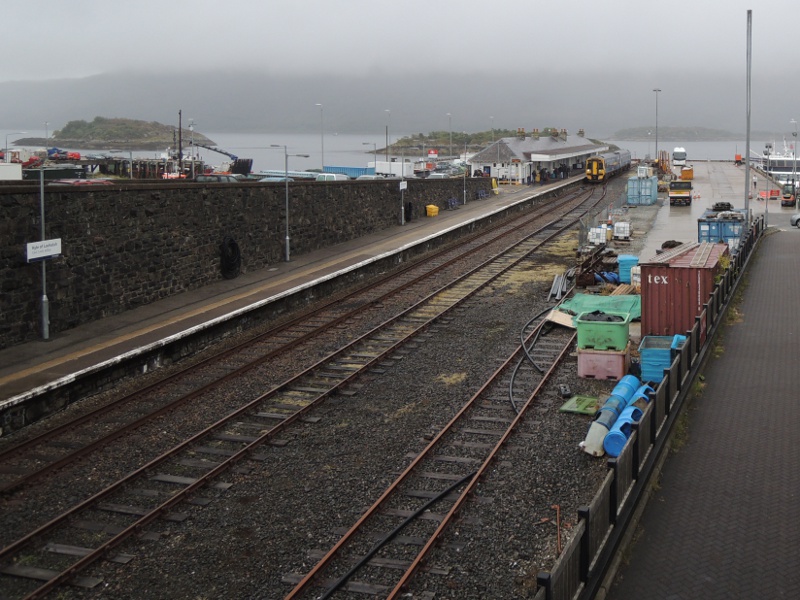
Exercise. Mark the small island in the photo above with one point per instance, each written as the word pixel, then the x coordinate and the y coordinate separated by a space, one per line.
pixel 120 134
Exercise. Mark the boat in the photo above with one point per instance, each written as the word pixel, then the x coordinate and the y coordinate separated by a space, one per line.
pixel 781 166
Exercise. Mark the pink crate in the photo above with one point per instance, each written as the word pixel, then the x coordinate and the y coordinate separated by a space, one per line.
pixel 604 364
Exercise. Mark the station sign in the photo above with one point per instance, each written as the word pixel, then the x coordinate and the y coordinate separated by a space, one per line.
pixel 44 249
pixel 403 185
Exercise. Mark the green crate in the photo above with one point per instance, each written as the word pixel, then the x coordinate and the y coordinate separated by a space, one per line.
pixel 602 335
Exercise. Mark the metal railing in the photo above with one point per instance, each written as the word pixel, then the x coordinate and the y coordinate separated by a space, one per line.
pixel 583 565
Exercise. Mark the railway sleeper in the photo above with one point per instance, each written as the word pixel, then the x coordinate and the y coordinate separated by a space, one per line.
pixel 38 574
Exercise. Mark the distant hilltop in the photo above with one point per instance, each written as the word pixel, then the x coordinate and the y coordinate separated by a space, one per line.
pixel 687 134
pixel 123 134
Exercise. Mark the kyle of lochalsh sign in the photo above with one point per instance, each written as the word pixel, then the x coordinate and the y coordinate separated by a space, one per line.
pixel 44 249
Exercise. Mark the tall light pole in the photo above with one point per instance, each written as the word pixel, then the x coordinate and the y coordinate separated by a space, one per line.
pixel 191 132
pixel 794 159
pixel 375 153
pixel 286 156
pixel 450 125
pixel 465 168
pixel 388 119
pixel 498 145
pixel 8 158
pixel 321 137
pixel 656 90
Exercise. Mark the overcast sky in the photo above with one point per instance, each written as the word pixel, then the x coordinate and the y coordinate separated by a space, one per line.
pixel 695 52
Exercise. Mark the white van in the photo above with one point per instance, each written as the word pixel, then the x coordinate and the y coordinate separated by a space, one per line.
pixel 332 177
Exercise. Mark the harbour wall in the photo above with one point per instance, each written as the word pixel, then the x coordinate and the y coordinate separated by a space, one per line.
pixel 128 245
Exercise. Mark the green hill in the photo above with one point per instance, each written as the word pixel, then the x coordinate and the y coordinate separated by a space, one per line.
pixel 125 134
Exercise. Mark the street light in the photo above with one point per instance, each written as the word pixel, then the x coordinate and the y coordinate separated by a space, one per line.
pixel 465 168
pixel 794 159
pixel 8 158
pixel 286 156
pixel 388 119
pixel 498 146
pixel 375 153
pixel 321 136
pixel 656 90
pixel 191 132
pixel 450 125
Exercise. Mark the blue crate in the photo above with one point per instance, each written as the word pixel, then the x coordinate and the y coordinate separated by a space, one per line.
pixel 655 355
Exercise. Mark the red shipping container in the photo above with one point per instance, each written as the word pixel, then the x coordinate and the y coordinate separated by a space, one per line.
pixel 676 284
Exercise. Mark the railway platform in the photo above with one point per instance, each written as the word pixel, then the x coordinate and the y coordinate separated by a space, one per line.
pixel 31 369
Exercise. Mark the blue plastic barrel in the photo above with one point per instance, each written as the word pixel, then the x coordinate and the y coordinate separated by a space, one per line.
pixel 642 393
pixel 615 403
pixel 606 418
pixel 626 388
pixel 618 435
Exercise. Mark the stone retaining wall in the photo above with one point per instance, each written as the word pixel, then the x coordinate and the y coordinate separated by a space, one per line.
pixel 131 244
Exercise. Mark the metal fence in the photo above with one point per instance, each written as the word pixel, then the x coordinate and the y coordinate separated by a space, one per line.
pixel 584 563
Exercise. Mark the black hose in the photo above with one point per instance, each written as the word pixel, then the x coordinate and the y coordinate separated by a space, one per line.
pixel 388 538
pixel 230 258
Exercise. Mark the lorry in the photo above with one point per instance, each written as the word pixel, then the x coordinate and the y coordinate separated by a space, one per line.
pixel 680 192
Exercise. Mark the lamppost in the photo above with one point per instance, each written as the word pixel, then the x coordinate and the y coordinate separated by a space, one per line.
pixel 656 90
pixel 388 119
pixel 794 160
pixel 191 133
pixel 450 126
pixel 321 137
pixel 8 158
pixel 286 156
pixel 498 145
pixel 375 153
pixel 465 168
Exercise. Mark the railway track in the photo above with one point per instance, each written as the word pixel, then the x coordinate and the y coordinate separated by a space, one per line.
pixel 155 489
pixel 25 463
pixel 428 495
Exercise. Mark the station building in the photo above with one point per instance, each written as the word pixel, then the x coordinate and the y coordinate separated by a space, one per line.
pixel 534 156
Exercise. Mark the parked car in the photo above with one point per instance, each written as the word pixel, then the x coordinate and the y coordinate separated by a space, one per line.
pixel 370 177
pixel 332 177
pixel 439 176
pixel 795 220
pixel 216 178
pixel 273 179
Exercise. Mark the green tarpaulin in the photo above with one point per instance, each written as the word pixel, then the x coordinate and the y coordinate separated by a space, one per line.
pixel 584 303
